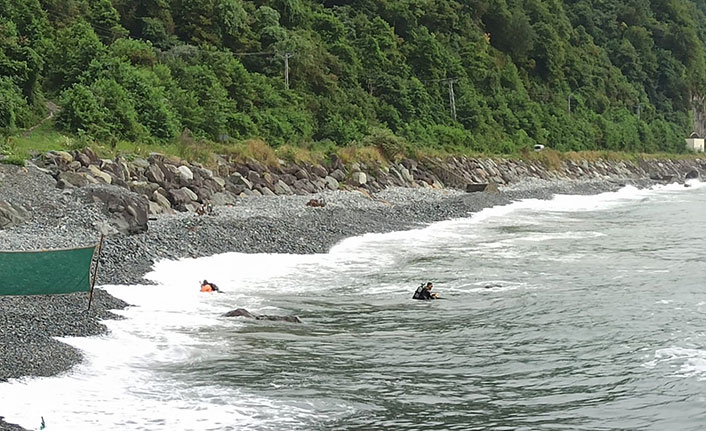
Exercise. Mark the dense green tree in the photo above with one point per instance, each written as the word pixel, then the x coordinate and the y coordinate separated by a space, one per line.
pixel 105 20
pixel 75 48
pixel 13 106
pixel 571 74
pixel 82 112
pixel 20 68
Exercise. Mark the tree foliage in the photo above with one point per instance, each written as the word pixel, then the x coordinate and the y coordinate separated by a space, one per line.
pixel 570 74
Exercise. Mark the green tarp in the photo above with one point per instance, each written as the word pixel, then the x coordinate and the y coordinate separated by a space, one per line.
pixel 45 272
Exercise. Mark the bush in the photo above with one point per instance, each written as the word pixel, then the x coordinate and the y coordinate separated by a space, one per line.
pixel 11 102
pixel 391 146
pixel 121 117
pixel 82 111
pixel 137 52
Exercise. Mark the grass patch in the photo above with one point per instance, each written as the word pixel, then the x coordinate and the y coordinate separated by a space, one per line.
pixel 251 149
pixel 663 156
pixel 381 147
pixel 354 154
pixel 13 160
pixel 594 156
pixel 420 153
pixel 25 145
pixel 296 154
pixel 551 159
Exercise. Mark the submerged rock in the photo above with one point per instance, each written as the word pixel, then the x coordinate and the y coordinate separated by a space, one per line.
pixel 241 312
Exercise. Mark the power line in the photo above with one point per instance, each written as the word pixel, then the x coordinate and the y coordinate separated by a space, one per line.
pixel 448 81
pixel 242 54
pixel 103 31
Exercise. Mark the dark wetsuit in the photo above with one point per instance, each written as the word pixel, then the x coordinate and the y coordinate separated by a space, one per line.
pixel 422 293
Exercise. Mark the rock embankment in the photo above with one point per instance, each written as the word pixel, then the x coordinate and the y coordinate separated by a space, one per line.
pixel 163 184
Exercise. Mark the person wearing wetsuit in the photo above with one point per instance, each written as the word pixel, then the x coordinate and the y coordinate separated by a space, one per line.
pixel 208 287
pixel 424 292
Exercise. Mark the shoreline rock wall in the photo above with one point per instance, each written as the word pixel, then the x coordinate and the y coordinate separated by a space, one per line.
pixel 162 184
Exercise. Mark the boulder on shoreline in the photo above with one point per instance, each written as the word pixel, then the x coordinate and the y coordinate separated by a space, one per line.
pixel 4 426
pixel 11 215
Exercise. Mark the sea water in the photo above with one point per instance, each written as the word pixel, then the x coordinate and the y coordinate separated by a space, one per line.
pixel 594 319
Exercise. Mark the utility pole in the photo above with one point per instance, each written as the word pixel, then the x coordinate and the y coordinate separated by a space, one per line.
pixel 452 96
pixel 638 110
pixel 569 100
pixel 286 56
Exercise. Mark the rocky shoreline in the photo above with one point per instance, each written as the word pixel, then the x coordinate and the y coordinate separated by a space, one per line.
pixel 39 210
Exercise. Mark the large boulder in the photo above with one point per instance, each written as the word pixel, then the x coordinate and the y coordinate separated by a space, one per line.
pixel 11 215
pixel 319 171
pixel 331 183
pixel 301 174
pixel 63 156
pixel 90 155
pixel 84 159
pixel 338 175
pixel 359 178
pixel 264 190
pixel 203 194
pixel 161 200
pixel 185 174
pixel 238 180
pixel 304 187
pixel 155 174
pixel 281 188
pixel 143 187
pixel 74 179
pixel 127 211
pixel 288 179
pixel 254 178
pixel 256 166
pixel 97 173
pixel 692 174
pixel 222 199
pixel 269 179
pixel 182 196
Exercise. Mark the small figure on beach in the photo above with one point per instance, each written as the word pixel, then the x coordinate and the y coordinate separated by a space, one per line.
pixel 424 292
pixel 204 209
pixel 208 287
pixel 316 203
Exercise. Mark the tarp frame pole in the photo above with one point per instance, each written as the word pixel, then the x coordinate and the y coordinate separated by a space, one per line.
pixel 95 271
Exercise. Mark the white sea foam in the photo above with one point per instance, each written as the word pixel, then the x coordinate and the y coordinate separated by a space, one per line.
pixel 688 361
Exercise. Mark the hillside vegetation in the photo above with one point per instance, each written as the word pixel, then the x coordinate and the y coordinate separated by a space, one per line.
pixel 491 76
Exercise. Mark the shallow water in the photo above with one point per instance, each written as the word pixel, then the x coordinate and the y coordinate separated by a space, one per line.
pixel 596 322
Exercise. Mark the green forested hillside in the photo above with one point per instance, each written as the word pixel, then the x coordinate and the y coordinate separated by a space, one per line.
pixel 569 74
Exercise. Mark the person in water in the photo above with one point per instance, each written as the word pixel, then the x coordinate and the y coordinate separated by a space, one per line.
pixel 424 292
pixel 208 287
